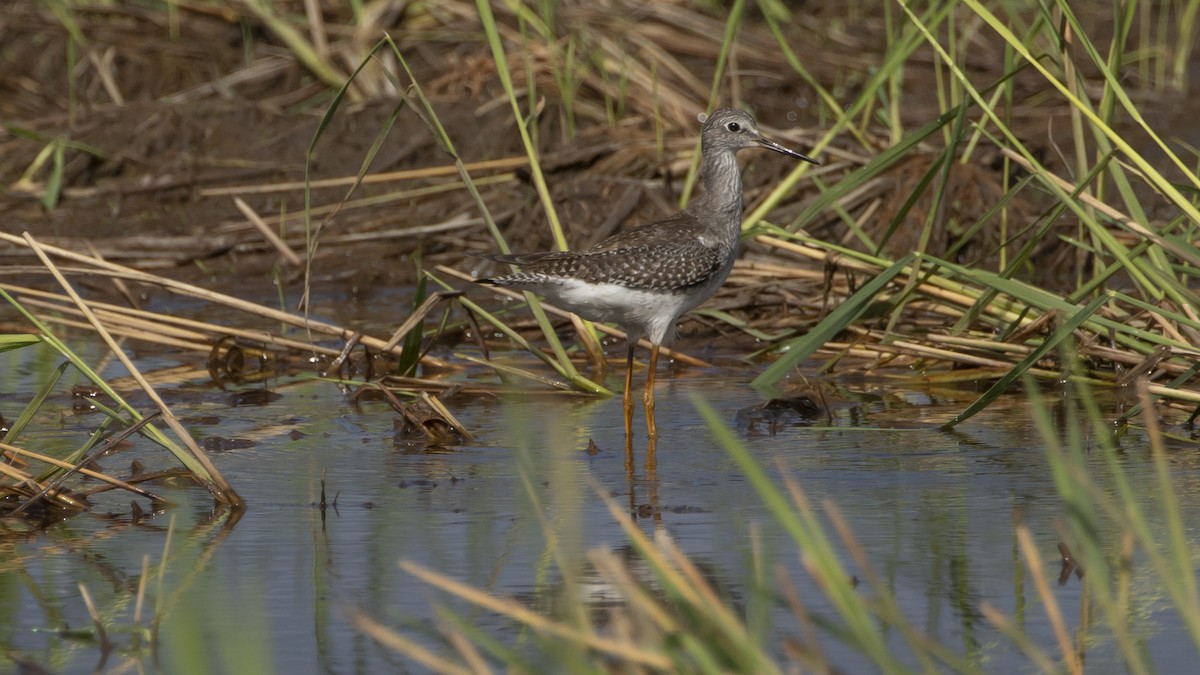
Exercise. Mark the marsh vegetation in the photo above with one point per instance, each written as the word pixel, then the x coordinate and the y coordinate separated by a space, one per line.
pixel 233 247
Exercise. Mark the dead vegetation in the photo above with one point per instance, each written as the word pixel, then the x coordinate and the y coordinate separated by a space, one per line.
pixel 195 150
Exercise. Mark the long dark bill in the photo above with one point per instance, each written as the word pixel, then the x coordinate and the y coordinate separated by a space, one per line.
pixel 772 145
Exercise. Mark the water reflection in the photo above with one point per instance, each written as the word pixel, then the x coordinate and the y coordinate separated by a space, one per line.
pixel 934 513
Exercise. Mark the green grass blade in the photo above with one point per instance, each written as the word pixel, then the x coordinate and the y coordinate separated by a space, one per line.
pixel 564 365
pixel 1153 175
pixel 311 237
pixel 18 425
pixel 1028 362
pixel 152 431
pixel 410 353
pixel 54 182
pixel 733 21
pixel 17 340
pixel 801 348
pixel 505 75
pixel 806 531
pixel 895 59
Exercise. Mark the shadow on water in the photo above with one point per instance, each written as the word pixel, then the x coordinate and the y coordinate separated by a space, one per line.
pixel 339 492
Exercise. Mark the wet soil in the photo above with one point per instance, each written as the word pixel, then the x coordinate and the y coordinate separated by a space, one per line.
pixel 165 119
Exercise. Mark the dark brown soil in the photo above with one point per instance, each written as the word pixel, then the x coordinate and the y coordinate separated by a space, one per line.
pixel 163 118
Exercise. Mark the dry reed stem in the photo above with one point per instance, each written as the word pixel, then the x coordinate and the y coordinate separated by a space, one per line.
pixel 418 384
pixel 756 268
pixel 12 472
pixel 460 222
pixel 103 65
pixel 316 28
pixel 151 322
pixel 115 482
pixel 813 655
pixel 560 385
pixel 417 317
pixel 591 345
pixel 129 333
pixel 97 620
pixel 120 285
pixel 928 288
pixel 506 164
pixel 1189 254
pixel 979 343
pixel 139 602
pixel 106 269
pixel 164 376
pixel 869 352
pixel 535 621
pixel 441 409
pixel 1033 561
pixel 463 645
pixel 718 612
pixel 219 487
pixel 398 643
pixel 924 351
pixel 171 251
pixel 1017 634
pixel 1000 313
pixel 659 556
pixel 267 233
pixel 1169 328
pixel 633 593
pixel 920 642
pixel 263 68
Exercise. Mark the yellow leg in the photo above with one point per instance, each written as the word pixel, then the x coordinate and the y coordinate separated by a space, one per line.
pixel 628 402
pixel 648 395
pixel 652 460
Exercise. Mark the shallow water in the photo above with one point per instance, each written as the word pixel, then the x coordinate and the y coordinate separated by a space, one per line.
pixel 935 512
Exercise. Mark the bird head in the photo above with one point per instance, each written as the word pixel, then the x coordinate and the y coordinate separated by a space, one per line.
pixel 728 129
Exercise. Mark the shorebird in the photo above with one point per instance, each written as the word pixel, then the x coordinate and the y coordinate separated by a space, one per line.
pixel 645 278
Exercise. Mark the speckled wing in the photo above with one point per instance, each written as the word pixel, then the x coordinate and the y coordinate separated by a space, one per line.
pixel 658 267
pixel 649 258
pixel 668 255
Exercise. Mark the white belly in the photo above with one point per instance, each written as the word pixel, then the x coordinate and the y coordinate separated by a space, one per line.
pixel 642 313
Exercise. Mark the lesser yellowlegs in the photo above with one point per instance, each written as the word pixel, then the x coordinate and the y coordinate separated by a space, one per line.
pixel 645 278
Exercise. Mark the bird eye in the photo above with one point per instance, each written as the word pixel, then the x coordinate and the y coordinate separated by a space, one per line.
pixel 734 127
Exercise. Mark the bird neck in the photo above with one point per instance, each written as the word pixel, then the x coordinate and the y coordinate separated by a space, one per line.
pixel 722 198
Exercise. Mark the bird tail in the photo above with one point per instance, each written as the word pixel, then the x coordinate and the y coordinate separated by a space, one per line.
pixel 520 258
